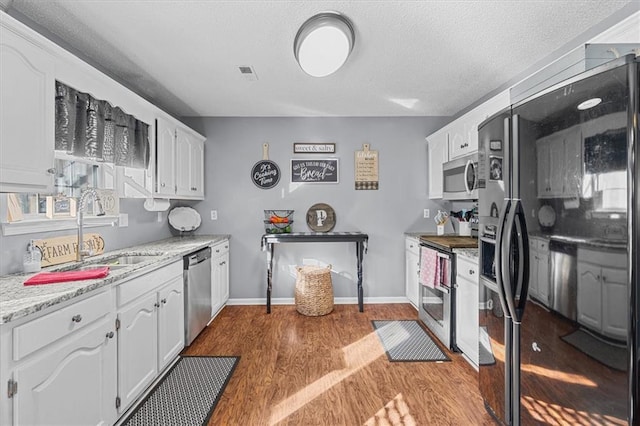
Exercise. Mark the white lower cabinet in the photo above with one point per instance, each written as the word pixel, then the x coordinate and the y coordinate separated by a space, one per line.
pixel 68 381
pixel 539 281
pixel 467 301
pixel 412 270
pixel 219 276
pixel 603 298
pixel 86 362
pixel 137 348
pixel 151 329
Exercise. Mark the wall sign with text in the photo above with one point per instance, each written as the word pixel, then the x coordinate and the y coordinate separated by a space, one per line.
pixel 366 169
pixel 314 171
pixel 265 174
pixel 314 148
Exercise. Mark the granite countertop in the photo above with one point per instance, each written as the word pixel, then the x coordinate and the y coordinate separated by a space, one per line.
pixel 470 253
pixel 593 242
pixel 415 235
pixel 17 300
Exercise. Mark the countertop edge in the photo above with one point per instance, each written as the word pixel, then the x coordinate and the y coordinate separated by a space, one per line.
pixel 45 296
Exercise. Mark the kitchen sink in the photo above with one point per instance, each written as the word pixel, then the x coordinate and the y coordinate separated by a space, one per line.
pixel 115 262
pixel 89 267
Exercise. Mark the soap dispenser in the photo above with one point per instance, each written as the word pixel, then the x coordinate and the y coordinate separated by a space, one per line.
pixel 32 258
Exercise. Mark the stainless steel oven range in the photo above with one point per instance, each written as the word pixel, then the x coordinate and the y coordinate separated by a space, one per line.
pixel 437 293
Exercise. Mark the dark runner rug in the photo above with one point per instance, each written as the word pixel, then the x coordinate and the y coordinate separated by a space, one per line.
pixel 188 393
pixel 406 340
pixel 611 355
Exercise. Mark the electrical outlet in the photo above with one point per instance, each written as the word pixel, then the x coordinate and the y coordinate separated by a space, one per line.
pixel 426 213
pixel 214 214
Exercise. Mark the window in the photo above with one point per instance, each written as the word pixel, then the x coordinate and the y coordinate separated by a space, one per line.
pixel 31 212
pixel 611 191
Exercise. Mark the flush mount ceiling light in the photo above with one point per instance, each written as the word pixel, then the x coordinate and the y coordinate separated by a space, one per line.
pixel 589 103
pixel 323 43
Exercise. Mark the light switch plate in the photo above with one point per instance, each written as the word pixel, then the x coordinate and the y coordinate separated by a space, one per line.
pixel 426 213
pixel 214 214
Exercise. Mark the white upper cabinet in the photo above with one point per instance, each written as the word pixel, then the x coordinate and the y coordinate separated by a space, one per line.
pixel 190 164
pixel 180 162
pixel 438 154
pixel 166 154
pixel 559 164
pixel 463 132
pixel 27 90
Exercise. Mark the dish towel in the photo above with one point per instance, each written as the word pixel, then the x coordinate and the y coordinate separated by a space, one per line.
pixel 58 277
pixel 429 267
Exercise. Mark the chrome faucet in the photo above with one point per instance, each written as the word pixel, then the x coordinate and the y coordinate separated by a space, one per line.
pixel 82 205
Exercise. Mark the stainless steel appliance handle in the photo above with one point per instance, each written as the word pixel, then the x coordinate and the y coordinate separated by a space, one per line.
pixel 505 261
pixel 500 277
pixel 441 289
pixel 516 302
pixel 466 170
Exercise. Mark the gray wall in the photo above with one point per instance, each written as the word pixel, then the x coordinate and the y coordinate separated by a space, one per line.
pixel 143 227
pixel 234 145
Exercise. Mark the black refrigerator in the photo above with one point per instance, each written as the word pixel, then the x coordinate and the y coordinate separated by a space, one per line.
pixel 559 214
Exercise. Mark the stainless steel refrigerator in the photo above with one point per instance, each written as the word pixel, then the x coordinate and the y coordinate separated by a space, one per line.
pixel 559 212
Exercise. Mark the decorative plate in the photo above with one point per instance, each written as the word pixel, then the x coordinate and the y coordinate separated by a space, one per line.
pixel 321 217
pixel 184 219
pixel 546 216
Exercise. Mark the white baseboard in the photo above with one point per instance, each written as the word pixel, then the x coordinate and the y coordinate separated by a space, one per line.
pixel 337 300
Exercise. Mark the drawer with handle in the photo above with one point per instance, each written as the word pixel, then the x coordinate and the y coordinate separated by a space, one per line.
pixel 36 334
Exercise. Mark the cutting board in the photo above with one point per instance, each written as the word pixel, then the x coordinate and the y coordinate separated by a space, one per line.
pixel 450 241
pixel 63 249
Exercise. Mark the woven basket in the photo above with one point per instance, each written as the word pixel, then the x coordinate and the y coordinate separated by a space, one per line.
pixel 314 291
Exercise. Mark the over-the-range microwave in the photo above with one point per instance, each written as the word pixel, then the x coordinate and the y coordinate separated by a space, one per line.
pixel 460 178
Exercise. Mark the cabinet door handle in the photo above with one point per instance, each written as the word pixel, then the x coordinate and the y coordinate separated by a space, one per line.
pixel 76 318
pixel 163 184
pixel 51 171
pixel 110 335
pixel 157 305
pixel 604 278
pixel 471 272
pixel 164 301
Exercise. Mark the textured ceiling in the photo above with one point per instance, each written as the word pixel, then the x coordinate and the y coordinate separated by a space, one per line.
pixel 411 58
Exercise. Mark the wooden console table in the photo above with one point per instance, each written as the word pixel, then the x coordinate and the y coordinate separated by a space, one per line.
pixel 361 240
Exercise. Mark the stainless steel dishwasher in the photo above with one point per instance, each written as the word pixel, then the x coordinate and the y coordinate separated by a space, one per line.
pixel 197 293
pixel 564 278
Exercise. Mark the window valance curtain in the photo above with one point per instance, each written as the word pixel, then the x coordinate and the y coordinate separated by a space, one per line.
pixel 91 128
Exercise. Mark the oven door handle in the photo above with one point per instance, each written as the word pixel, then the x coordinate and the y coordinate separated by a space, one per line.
pixel 442 289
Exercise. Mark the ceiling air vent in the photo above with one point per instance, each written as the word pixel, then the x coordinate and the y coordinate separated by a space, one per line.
pixel 248 73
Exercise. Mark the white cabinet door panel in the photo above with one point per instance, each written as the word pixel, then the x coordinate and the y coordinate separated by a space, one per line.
pixel 589 296
pixel 72 385
pixel 27 113
pixel 615 303
pixel 170 322
pixel 137 348
pixel 165 152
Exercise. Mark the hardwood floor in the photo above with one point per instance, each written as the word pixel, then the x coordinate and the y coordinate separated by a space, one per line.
pixel 332 370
